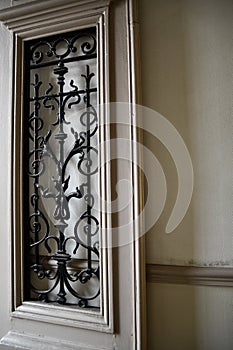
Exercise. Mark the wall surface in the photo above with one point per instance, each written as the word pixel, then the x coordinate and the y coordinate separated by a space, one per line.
pixel 189 317
pixel 187 76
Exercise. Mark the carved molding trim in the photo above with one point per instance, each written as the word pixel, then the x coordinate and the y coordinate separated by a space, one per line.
pixel 31 342
pixel 191 275
pixel 123 308
pixel 13 16
pixel 19 24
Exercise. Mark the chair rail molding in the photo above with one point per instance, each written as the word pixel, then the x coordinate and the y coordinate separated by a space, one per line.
pixel 193 275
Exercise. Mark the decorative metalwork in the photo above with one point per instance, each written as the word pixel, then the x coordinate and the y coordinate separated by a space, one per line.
pixel 56 238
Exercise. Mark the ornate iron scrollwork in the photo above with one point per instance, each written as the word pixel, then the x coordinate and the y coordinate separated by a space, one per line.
pixel 50 239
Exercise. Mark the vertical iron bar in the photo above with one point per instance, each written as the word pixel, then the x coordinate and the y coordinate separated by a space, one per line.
pixel 88 104
pixel 36 164
pixel 61 255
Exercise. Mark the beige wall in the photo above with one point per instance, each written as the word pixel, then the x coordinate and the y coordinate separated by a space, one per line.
pixel 187 76
pixel 189 317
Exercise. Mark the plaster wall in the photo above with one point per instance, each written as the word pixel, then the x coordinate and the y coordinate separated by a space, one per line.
pixel 187 70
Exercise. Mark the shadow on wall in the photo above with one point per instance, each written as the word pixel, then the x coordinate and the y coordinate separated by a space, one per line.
pixel 186 58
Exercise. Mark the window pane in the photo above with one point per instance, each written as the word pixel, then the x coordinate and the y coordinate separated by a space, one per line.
pixel 61 182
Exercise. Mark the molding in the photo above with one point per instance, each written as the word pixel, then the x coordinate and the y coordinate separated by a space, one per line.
pixel 190 275
pixel 32 324
pixel 39 19
pixel 103 319
pixel 137 179
pixel 28 12
pixel 15 340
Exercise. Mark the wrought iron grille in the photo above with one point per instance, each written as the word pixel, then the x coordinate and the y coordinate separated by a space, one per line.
pixel 61 171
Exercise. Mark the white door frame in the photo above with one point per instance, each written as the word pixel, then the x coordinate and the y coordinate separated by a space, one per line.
pixel 121 323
